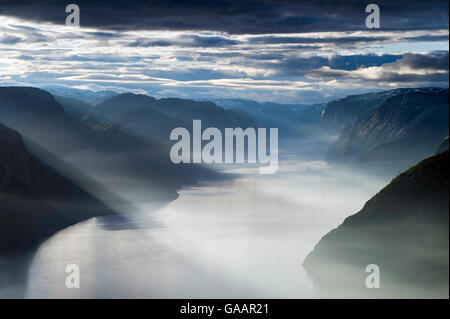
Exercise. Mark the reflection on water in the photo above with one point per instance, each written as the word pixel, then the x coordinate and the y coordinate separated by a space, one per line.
pixel 241 238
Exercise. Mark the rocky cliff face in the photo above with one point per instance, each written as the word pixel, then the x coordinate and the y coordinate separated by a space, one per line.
pixel 350 111
pixel 36 200
pixel 403 229
pixel 14 162
pixel 338 114
pixel 49 131
pixel 409 124
pixel 17 204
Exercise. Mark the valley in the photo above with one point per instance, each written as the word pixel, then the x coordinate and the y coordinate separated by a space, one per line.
pixel 95 184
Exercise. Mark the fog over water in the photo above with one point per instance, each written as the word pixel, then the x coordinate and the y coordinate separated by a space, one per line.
pixel 239 238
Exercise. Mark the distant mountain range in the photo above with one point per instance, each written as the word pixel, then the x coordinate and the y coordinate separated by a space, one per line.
pixel 180 111
pixel 403 229
pixel 290 119
pixel 402 125
pixel 86 96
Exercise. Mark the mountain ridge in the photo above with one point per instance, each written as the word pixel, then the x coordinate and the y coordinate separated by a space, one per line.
pixel 36 200
pixel 403 229
pixel 406 125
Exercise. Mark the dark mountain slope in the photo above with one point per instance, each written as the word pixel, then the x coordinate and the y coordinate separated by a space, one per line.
pixel 180 110
pixel 210 114
pixel 406 126
pixel 149 123
pixel 39 117
pixel 342 113
pixel 290 119
pixel 403 229
pixel 102 153
pixel 338 114
pixel 111 110
pixel 15 163
pixel 35 200
pixel 74 108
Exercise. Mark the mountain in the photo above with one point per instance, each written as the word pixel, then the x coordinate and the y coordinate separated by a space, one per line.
pixel 290 119
pixel 86 96
pixel 311 114
pixel 210 114
pixel 253 106
pixel 408 125
pixel 14 162
pixel 39 117
pixel 148 123
pixel 35 200
pixel 403 229
pixel 99 153
pixel 443 146
pixel 74 108
pixel 340 113
pixel 111 110
pixel 180 110
pixel 152 120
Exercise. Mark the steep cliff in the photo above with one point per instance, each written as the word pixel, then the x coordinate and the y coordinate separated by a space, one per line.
pixel 403 229
pixel 408 124
pixel 36 200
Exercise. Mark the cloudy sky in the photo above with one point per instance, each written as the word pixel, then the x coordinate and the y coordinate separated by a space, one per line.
pixel 281 51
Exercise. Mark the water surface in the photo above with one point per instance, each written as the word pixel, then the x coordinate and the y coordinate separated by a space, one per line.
pixel 239 238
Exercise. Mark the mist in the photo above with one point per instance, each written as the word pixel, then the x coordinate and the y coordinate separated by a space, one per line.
pixel 244 236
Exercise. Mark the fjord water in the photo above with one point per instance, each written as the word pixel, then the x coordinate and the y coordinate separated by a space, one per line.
pixel 244 237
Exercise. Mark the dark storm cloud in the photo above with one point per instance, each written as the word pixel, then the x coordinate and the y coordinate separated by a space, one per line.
pixel 105 34
pixel 353 62
pixel 146 43
pixel 304 40
pixel 295 66
pixel 190 74
pixel 428 38
pixel 383 77
pixel 429 68
pixel 236 16
pixel 395 77
pixel 435 61
pixel 214 41
pixel 187 41
pixel 351 40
